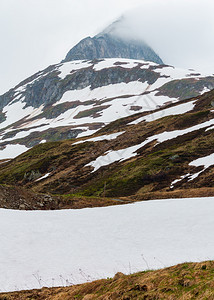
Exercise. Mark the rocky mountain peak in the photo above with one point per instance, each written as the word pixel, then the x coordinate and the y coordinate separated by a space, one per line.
pixel 109 44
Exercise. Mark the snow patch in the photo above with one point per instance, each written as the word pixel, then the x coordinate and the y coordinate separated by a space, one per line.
pixel 177 73
pixel 206 161
pixel 15 112
pixel 43 177
pixel 101 138
pixel 103 92
pixel 86 133
pixel 205 90
pixel 175 110
pixel 68 67
pixel 178 180
pixel 121 62
pixel 11 151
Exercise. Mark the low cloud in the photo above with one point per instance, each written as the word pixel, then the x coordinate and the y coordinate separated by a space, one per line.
pixel 37 33
pixel 181 32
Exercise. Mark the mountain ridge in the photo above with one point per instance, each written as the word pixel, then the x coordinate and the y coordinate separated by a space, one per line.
pixel 78 98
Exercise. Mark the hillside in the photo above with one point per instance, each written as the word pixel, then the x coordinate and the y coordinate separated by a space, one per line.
pixel 78 98
pixel 184 281
pixel 17 197
pixel 107 155
pixel 168 150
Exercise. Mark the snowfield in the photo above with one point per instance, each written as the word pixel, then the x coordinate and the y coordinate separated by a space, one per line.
pixel 52 248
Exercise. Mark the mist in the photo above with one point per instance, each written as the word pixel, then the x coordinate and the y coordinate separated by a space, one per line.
pixel 37 33
pixel 181 32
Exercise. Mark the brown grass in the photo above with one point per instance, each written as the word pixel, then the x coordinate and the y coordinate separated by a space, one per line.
pixel 185 281
pixel 182 193
pixel 15 197
pixel 78 202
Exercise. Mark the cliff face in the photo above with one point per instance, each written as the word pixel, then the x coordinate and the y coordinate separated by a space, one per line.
pixel 109 46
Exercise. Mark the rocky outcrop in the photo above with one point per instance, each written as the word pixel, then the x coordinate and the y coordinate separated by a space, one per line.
pixel 109 46
pixel 49 89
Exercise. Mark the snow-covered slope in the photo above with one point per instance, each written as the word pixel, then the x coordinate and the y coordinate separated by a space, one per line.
pixel 75 99
pixel 62 250
pixel 167 149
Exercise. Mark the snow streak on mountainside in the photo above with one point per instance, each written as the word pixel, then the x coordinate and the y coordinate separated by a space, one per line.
pixel 168 149
pixel 78 98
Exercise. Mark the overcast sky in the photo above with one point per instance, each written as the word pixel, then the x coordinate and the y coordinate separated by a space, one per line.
pixel 37 33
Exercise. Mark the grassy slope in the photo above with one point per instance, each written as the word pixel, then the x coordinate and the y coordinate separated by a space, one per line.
pixel 16 197
pixel 184 281
pixel 150 172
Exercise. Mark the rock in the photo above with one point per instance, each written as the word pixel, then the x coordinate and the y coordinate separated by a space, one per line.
pixel 106 45
pixel 140 287
pixel 32 175
pixel 22 207
pixel 118 275
pixel 174 157
pixel 88 297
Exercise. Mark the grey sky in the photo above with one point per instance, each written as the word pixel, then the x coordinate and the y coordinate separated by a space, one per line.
pixel 181 31
pixel 37 33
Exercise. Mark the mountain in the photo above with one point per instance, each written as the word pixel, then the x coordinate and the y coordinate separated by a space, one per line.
pixel 78 98
pixel 162 153
pixel 110 44
pixel 106 132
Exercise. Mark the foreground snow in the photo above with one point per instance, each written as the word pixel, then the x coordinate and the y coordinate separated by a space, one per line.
pixel 41 248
